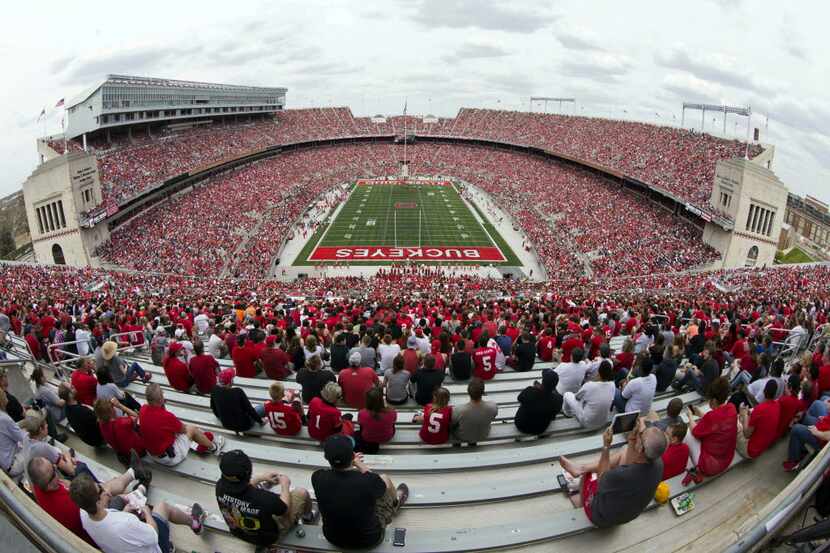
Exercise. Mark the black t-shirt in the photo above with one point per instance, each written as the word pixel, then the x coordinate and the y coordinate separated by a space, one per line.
pixel 14 409
pixel 251 513
pixel 352 339
pixel 666 371
pixel 313 382
pixel 83 421
pixel 232 407
pixel 461 365
pixel 339 357
pixel 624 492
pixel 347 503
pixel 426 382
pixel 537 409
pixel 525 356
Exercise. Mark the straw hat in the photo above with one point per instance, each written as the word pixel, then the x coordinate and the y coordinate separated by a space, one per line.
pixel 108 350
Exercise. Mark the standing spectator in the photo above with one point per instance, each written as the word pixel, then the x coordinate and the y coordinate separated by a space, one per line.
pixel 122 531
pixel 377 422
pixel 231 406
pixel 313 379
pixel 636 394
pixel 107 357
pixel 387 352
pixel 713 437
pixel 591 405
pixel 471 422
pixel 83 337
pixel 324 418
pixel 758 431
pixel 396 382
pixel 81 417
pixel 426 381
pixel 175 368
pixel 436 420
pixel 572 373
pixel 357 380
pixel 13 443
pixel 166 438
pixel 461 362
pixel 252 510
pixel 356 504
pixel 274 360
pixel 203 368
pixel 285 418
pixel 539 404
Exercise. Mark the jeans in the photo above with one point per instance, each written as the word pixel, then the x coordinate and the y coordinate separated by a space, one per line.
pixel 81 468
pixel 817 410
pixel 692 380
pixel 741 379
pixel 260 409
pixel 799 437
pixel 134 371
pixel 164 533
pixel 619 401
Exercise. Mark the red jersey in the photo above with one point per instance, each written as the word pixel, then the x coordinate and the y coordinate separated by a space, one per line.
pixel 789 406
pixel 355 384
pixel 284 419
pixel 203 369
pixel 410 360
pixel 824 379
pixel 121 436
pixel 764 419
pixel 243 360
pixel 177 374
pixel 275 363
pixel 159 428
pixel 58 504
pixel 484 360
pixel 674 460
pixel 436 426
pixel 377 430
pixel 717 431
pixel 84 385
pixel 568 346
pixel 324 419
pixel 545 348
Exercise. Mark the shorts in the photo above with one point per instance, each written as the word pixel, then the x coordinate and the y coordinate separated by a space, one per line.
pixel 180 448
pixel 385 506
pixel 590 485
pixel 163 533
pixel 298 508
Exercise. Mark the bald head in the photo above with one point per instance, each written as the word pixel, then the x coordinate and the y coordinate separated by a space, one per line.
pixel 154 394
pixel 654 443
pixel 40 472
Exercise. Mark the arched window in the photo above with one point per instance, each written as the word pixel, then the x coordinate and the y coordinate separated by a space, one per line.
pixel 57 255
pixel 751 257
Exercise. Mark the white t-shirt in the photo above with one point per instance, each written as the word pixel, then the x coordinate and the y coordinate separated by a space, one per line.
pixel 640 392
pixel 214 345
pixel 597 398
pixel 387 355
pixel 201 322
pixel 121 532
pixel 571 376
pixel 82 336
pixel 757 388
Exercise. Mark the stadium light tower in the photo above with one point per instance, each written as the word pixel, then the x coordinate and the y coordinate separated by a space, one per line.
pixel 737 110
pixel 547 99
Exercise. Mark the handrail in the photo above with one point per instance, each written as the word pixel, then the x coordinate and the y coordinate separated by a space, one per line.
pixel 776 515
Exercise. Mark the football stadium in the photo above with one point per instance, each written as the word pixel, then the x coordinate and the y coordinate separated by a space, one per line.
pixel 243 326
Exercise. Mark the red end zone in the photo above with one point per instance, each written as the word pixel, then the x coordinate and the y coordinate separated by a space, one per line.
pixel 401 182
pixel 388 253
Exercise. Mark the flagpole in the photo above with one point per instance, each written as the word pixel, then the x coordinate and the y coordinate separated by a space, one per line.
pixel 406 168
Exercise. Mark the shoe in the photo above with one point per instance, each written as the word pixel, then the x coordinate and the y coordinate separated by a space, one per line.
pixel 142 473
pixel 790 466
pixel 197 518
pixel 147 378
pixel 402 493
pixel 62 438
pixel 312 516
pixel 218 444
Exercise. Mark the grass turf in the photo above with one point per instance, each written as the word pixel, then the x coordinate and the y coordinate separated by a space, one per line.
pixel 388 215
pixel 795 255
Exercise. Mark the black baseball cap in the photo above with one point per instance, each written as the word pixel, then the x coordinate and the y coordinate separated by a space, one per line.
pixel 339 451
pixel 235 466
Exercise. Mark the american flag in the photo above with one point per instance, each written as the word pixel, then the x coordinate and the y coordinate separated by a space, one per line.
pixel 60 103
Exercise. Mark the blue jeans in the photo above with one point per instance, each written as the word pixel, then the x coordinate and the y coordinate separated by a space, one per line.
pixel 619 401
pixel 134 371
pixel 81 468
pixel 817 410
pixel 260 409
pixel 742 378
pixel 692 380
pixel 163 532
pixel 799 437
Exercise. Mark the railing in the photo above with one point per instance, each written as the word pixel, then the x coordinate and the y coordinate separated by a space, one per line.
pixel 72 356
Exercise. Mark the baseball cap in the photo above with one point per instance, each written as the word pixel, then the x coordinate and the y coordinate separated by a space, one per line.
pixel 226 376
pixel 412 342
pixel 235 466
pixel 270 340
pixel 339 451
pixel 355 358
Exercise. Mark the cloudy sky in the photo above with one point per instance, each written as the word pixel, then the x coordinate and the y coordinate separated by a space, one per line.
pixel 632 60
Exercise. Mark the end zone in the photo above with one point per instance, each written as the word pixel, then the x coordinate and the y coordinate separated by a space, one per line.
pixel 391 253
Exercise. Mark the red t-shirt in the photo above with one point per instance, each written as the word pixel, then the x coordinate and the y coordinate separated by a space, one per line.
pixel 410 360
pixel 675 459
pixel 484 360
pixel 159 428
pixel 355 384
pixel 436 426
pixel 120 434
pixel 718 434
pixel 284 419
pixel 545 348
pixel 84 385
pixel 568 346
pixel 275 363
pixel 177 374
pixel 764 419
pixel 324 419
pixel 203 370
pixel 377 430
pixel 61 507
pixel 824 379
pixel 243 360
pixel 789 406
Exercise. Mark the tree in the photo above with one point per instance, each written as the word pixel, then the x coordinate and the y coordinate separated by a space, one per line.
pixel 6 242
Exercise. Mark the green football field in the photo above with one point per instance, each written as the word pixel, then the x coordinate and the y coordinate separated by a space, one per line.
pixel 416 221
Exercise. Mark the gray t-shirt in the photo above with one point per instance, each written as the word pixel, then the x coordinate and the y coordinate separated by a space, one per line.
pixel 113 365
pixel 5 322
pixel 109 391
pixel 471 422
pixel 368 357
pixel 50 400
pixel 39 448
pixel 11 436
pixel 397 385
pixel 624 492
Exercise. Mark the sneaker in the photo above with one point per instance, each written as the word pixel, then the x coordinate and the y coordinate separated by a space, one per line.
pixel 790 466
pixel 312 516
pixel 402 493
pixel 142 473
pixel 197 518
pixel 218 444
pixel 147 378
pixel 62 438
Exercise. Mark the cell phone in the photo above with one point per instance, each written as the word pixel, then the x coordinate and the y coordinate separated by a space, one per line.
pixel 683 503
pixel 563 483
pixel 399 538
pixel 625 422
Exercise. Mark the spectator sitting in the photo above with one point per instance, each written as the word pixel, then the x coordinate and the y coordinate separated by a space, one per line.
pixel 676 456
pixel 253 511
pixel 591 405
pixel 122 531
pixel 426 380
pixel 203 368
pixel 616 489
pixel 636 394
pixel 274 360
pixel 471 422
pixel 461 362
pixel 412 356
pixel 673 410
pixel 107 390
pixel 84 381
pixel 436 420
pixel 246 357
pixel 52 492
pixel 107 357
pixel 324 418
pixel 525 352
pixel 758 431
pixel 396 382
pixel 231 406
pixel 377 422
pixel 120 432
pixel 81 417
pixel 313 378
pixel 713 437
pixel 166 438
pixel 792 407
pixel 46 397
pixel 387 352
pixel 285 417
pixel 357 380
pixel 13 407
pixel 699 379
pixel 484 358
pixel 175 367
pixel 571 374
pixel 339 353
pixel 539 404
pixel 13 443
pixel 34 423
pixel 158 345
pixel 667 369
pixel 368 356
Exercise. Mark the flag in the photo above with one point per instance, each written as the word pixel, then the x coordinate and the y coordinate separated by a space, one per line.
pixel 42 114
pixel 404 105
pixel 60 103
